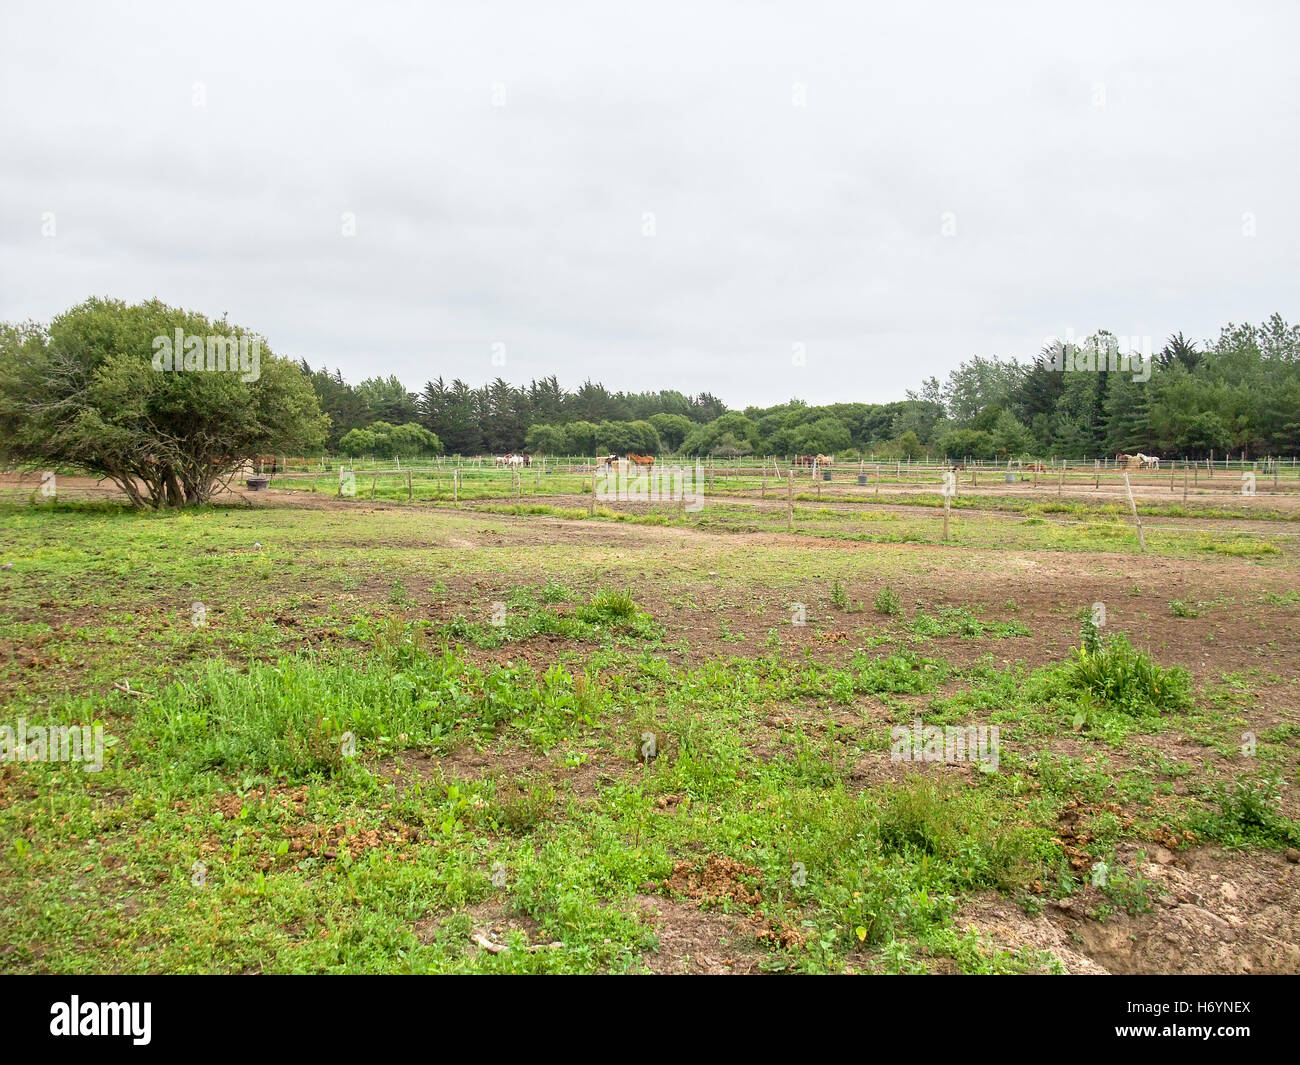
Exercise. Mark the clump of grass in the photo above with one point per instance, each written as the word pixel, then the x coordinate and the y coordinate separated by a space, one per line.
pixel 888 602
pixel 586 692
pixel 1124 678
pixel 952 621
pixel 947 823
pixel 957 621
pixel 521 598
pixel 523 805
pixel 609 607
pixel 555 592
pixel 605 614
pixel 1179 609
pixel 900 674
pixel 1282 600
pixel 916 816
pixel 396 641
pixel 1240 548
pixel 1248 814
pixel 305 715
pixel 839 597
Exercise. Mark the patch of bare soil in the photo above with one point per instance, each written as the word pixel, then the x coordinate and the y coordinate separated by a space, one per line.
pixel 510 765
pixel 1214 911
pixel 698 941
pixel 1006 925
pixel 494 927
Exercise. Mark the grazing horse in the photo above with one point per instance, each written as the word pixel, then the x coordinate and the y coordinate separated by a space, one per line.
pixel 825 460
pixel 641 460
pixel 502 460
pixel 607 463
pixel 514 461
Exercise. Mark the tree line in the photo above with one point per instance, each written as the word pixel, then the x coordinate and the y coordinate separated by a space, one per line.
pixel 153 398
pixel 1239 393
pixel 497 417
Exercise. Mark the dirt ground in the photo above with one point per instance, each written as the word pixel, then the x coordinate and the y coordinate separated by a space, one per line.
pixel 1216 910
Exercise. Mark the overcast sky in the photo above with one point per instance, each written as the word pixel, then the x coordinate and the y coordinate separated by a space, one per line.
pixel 656 195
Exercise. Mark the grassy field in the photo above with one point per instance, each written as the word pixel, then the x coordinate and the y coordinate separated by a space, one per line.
pixel 513 735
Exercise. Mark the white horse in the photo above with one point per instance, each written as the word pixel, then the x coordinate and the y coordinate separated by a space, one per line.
pixel 1147 462
pixel 514 461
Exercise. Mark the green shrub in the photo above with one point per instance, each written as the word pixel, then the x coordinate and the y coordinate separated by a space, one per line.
pixel 1248 814
pixel 888 602
pixel 1124 678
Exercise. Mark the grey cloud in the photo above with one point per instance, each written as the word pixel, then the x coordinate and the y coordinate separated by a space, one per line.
pixel 774 224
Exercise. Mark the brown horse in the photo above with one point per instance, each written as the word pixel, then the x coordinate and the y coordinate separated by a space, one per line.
pixel 641 460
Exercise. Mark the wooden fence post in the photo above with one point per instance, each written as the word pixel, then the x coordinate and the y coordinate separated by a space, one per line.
pixel 1132 505
pixel 789 503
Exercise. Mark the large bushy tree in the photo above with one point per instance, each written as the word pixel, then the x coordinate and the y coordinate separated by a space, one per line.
pixel 386 440
pixel 86 393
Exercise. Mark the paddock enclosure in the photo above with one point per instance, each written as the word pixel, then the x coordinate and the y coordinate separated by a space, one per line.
pixel 449 716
